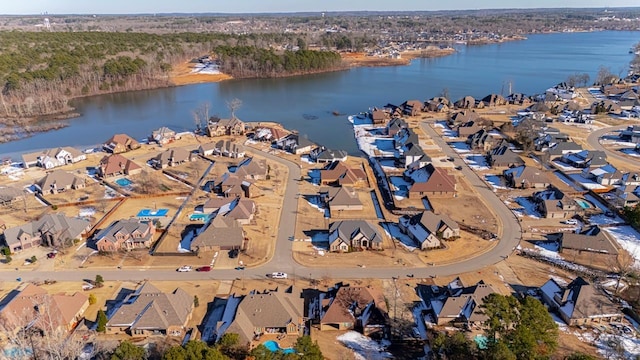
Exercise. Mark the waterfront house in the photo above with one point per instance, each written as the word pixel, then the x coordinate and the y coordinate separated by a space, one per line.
pixel 10 195
pixel 343 198
pixel 31 307
pixel 295 144
pixel 502 156
pixel 51 158
pixel 456 304
pixel 438 104
pixel 148 311
pixel 379 116
pixel 269 134
pixel 116 164
pixel 163 135
pixel 59 181
pixel 252 169
pixel 120 143
pixel 467 102
pixel 279 312
pixel 494 100
pixel 349 235
pixel 518 99
pixel 395 125
pixel 220 233
pixel 427 228
pixel 412 107
pixel 221 127
pixel 354 307
pixel 524 177
pixel 464 116
pixel 171 157
pixel 579 303
pixel 125 234
pixel 52 230
pixel 323 155
pixel 339 174
pixel 431 182
pixel 591 241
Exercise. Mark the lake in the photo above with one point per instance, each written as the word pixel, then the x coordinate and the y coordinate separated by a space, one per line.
pixel 306 103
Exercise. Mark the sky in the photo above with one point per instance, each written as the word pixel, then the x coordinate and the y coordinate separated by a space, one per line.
pixel 18 7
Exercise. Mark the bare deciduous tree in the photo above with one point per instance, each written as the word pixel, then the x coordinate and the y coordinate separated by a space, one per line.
pixel 233 105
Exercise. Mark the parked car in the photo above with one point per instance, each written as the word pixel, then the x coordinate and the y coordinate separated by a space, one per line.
pixel 609 213
pixel 185 268
pixel 52 254
pixel 204 268
pixel 571 222
pixel 233 253
pixel 279 275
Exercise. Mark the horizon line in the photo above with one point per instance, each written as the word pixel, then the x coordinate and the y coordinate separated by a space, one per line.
pixel 328 11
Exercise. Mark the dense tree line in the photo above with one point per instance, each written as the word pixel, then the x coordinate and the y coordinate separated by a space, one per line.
pixel 251 61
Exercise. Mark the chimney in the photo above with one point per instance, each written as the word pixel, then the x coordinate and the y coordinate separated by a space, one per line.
pixel 565 295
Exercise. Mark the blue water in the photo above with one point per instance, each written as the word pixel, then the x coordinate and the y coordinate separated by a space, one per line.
pixel 583 204
pixel 273 347
pixel 306 103
pixel 149 212
pixel 199 217
pixel 123 182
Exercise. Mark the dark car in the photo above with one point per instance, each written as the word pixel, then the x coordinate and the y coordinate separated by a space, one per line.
pixel 51 255
pixel 204 268
pixel 609 213
pixel 233 253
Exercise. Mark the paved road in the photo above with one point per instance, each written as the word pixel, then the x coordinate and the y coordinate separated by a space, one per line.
pixel 283 261
pixel 594 140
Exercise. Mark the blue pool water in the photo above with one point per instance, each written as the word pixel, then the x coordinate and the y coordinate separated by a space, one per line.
pixel 583 204
pixel 152 213
pixel 199 217
pixel 273 347
pixel 123 182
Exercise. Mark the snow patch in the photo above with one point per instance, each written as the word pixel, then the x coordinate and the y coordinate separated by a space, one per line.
pixel 363 347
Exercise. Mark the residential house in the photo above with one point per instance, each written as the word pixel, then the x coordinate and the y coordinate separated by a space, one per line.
pixel 563 147
pixel 207 149
pixel 229 149
pixel 348 235
pixel 467 102
pixel 59 181
pixel 295 144
pixel 456 303
pixel 125 234
pixel 554 204
pixel 30 306
pixel 628 100
pixel 627 196
pixel 10 195
pixel 342 198
pixel 231 185
pixel 324 155
pixel 579 303
pixel 427 228
pixel 171 157
pixel 431 182
pixel 438 104
pixel 252 169
pixel 148 311
pixel 585 159
pixel 631 134
pixel 50 230
pixel 606 175
pixel 519 99
pixel 502 156
pixel 51 158
pixel 241 210
pixel 591 241
pixel 395 125
pixel 221 127
pixel 120 143
pixel 116 164
pixel 279 312
pixel 412 107
pixel 404 137
pixel 360 308
pixel 337 173
pixel 464 116
pixel 562 91
pixel 379 116
pixel 606 106
pixel 483 140
pixel 526 177
pixel 468 128
pixel 221 233
pixel 494 100
pixel 412 154
pixel 163 135
pixel 269 134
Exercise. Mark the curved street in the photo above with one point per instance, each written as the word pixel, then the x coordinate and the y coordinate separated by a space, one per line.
pixel 594 141
pixel 282 259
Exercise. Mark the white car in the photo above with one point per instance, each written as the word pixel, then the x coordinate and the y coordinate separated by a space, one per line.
pixel 185 268
pixel 279 275
pixel 571 222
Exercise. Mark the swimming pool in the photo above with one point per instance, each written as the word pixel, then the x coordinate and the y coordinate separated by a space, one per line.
pixel 583 203
pixel 199 217
pixel 123 182
pixel 152 213
pixel 273 347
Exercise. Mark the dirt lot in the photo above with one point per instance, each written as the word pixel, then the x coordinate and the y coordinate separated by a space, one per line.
pixel 182 75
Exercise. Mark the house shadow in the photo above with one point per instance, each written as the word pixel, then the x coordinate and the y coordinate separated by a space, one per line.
pixel 319 238
pixel 522 291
